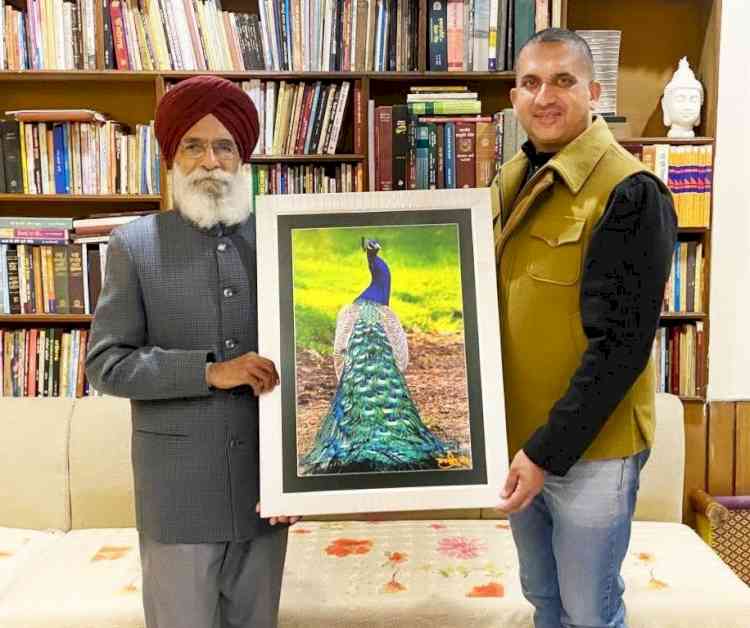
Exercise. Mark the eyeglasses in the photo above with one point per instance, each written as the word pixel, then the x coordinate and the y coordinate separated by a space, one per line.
pixel 224 150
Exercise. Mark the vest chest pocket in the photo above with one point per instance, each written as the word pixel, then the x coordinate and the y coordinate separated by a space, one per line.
pixel 555 250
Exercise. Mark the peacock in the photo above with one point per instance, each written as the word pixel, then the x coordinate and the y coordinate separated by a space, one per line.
pixel 372 423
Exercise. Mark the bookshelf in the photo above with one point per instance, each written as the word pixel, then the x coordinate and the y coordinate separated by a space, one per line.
pixel 688 28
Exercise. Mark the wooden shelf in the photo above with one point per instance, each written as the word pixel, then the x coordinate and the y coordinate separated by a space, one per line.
pixel 683 316
pixel 266 159
pixel 78 75
pixel 47 319
pixel 666 140
pixel 692 399
pixel 686 230
pixel 80 198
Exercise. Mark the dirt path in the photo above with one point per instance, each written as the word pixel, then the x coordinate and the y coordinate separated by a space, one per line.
pixel 436 377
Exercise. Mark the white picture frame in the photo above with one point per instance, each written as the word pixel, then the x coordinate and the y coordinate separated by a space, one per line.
pixel 284 489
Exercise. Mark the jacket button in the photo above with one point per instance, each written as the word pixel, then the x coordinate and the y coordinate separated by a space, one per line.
pixel 230 343
pixel 228 292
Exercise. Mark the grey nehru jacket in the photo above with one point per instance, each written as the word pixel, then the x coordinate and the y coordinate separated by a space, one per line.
pixel 175 296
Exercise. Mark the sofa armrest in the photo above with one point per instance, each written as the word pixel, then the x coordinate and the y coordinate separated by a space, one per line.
pixel 703 504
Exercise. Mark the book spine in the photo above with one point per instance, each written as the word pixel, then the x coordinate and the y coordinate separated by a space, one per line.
pixel 438 36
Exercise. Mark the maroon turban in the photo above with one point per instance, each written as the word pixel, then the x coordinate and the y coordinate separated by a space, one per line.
pixel 192 99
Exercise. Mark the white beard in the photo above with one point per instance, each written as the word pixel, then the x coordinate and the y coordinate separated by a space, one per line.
pixel 208 198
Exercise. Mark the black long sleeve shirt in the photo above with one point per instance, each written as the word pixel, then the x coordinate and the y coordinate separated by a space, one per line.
pixel 622 288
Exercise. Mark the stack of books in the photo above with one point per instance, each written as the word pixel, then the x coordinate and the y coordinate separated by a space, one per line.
pixel 439 139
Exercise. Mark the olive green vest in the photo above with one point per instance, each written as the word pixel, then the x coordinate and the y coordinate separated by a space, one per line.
pixel 546 229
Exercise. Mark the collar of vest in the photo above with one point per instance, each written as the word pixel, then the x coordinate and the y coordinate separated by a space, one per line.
pixel 577 160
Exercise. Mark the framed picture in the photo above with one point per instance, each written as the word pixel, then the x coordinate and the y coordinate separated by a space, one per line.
pixel 380 312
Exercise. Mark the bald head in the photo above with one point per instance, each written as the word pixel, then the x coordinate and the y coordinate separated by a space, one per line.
pixel 562 36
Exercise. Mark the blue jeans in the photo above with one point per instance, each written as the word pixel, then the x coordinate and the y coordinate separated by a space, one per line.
pixel 572 540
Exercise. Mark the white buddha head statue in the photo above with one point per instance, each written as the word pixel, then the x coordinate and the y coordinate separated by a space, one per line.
pixel 682 101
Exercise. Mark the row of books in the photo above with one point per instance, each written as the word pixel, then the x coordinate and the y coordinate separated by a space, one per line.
pixel 684 290
pixel 41 152
pixel 678 354
pixel 299 118
pixel 55 265
pixel 413 151
pixel 688 171
pixel 51 278
pixel 48 35
pixel 484 35
pixel 306 179
pixel 43 362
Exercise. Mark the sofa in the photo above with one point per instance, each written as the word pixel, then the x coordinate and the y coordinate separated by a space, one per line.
pixel 69 552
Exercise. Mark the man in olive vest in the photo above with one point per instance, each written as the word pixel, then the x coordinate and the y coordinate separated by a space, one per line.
pixel 584 238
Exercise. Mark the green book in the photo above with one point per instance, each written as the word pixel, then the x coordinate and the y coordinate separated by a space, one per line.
pixel 445 107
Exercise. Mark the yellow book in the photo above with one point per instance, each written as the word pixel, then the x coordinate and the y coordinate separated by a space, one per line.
pixel 146 60
pixel 64 357
pixel 699 277
pixel 708 152
pixel 278 124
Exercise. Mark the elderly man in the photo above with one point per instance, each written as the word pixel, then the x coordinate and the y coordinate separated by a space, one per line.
pixel 584 241
pixel 175 331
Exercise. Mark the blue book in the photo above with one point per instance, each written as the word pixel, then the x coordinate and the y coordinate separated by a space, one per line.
pixel 313 115
pixel 58 138
pixel 24 60
pixel 144 158
pixel 423 156
pixel 67 156
pixel 289 36
pixel 449 154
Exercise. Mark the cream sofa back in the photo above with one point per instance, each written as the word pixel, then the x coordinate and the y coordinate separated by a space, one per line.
pixel 67 465
pixel 101 476
pixel 34 490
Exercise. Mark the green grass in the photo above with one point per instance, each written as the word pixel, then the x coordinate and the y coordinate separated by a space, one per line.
pixel 330 271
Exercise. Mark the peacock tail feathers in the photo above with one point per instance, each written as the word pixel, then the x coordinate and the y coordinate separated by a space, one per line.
pixel 373 423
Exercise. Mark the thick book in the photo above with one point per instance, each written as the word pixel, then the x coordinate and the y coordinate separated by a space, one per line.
pixel 57 115
pixel 447 107
pixel 11 140
pixel 95 276
pixel 76 301
pixel 60 262
pixel 438 34
pixel 14 292
pixel 485 153
pixel 465 155
pixel 383 148
pixel 400 146
pixel 524 23
pixel 422 157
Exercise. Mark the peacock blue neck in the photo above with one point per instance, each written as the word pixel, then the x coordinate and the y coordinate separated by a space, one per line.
pixel 379 289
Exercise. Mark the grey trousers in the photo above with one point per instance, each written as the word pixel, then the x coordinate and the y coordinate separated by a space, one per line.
pixel 213 585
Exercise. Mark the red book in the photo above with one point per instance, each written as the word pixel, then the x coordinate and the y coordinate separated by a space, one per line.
pixel 465 155
pixel 118 35
pixel 384 148
pixel 299 144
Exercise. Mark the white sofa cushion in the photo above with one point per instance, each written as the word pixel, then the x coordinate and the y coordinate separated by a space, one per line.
pixel 465 573
pixel 431 574
pixel 17 547
pixel 34 463
pixel 88 579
